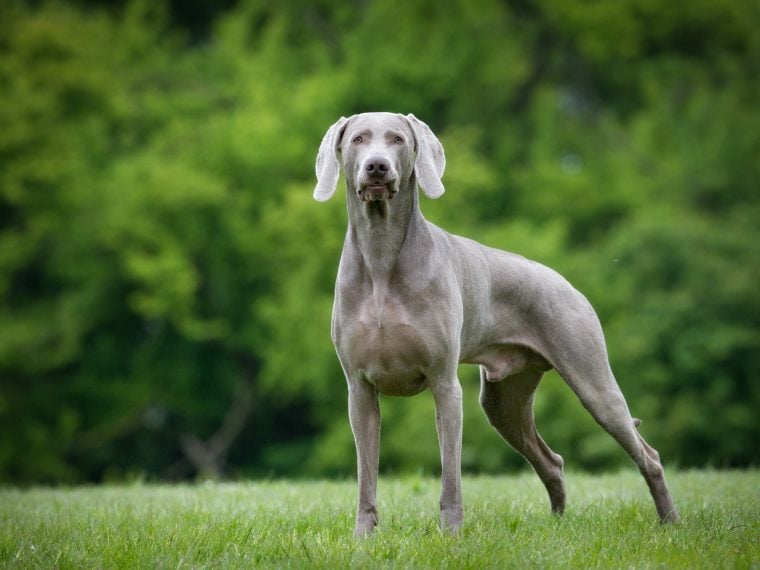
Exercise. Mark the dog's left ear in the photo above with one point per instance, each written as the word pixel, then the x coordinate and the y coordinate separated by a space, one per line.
pixel 327 166
pixel 431 160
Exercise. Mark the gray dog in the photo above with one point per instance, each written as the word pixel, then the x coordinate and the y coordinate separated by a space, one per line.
pixel 412 301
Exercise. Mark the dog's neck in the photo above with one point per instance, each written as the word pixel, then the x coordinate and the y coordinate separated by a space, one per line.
pixel 382 230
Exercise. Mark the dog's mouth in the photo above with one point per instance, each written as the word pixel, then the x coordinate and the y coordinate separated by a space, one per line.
pixel 374 192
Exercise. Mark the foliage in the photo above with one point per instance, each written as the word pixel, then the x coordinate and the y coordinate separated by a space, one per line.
pixel 610 524
pixel 161 257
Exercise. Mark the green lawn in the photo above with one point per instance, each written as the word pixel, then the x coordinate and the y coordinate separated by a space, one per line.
pixel 610 523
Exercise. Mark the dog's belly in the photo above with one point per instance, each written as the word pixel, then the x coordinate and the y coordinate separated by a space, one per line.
pixel 390 356
pixel 500 361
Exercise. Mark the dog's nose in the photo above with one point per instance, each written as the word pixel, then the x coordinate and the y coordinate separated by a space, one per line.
pixel 377 166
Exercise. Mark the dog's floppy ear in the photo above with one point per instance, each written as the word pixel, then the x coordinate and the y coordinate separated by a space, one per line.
pixel 431 160
pixel 327 166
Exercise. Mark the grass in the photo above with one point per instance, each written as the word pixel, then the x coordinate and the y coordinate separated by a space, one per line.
pixel 610 523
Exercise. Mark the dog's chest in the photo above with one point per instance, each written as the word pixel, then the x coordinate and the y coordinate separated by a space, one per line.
pixel 389 344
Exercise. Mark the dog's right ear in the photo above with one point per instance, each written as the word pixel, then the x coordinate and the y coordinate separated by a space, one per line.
pixel 328 166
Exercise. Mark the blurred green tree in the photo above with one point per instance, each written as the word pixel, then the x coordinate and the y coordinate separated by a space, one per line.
pixel 166 279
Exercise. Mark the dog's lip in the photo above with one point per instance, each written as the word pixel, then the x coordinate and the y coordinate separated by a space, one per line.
pixel 376 185
pixel 374 191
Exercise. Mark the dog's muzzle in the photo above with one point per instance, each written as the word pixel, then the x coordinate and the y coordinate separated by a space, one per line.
pixel 377 179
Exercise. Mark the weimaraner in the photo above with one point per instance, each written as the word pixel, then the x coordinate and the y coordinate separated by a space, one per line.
pixel 412 301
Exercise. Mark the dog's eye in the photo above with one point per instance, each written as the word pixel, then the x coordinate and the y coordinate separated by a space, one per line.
pixel 398 140
pixel 358 140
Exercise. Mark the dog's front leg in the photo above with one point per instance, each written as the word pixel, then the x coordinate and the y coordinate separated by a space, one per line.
pixel 364 414
pixel 448 422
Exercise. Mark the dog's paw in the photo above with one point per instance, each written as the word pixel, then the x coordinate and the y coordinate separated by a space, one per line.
pixel 451 519
pixel 365 524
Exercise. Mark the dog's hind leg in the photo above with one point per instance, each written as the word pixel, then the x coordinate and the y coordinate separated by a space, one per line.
pixel 508 404
pixel 600 394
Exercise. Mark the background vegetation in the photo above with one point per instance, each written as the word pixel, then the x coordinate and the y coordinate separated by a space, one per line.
pixel 166 279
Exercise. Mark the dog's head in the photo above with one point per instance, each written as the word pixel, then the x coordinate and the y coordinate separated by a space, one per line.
pixel 379 153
